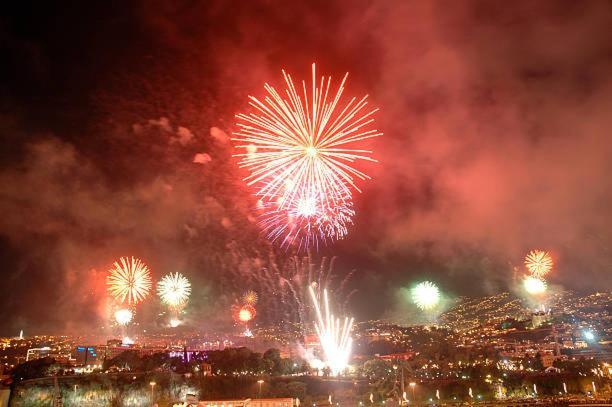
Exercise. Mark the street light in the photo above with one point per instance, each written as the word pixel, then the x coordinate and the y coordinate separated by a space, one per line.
pixel 152 384
pixel 260 382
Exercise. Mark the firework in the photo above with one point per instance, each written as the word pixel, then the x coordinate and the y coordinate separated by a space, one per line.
pixel 244 313
pixel 282 284
pixel 534 285
pixel 174 290
pixel 334 335
pixel 123 316
pixel 129 280
pixel 539 263
pixel 250 297
pixel 300 151
pixel 307 222
pixel 426 295
pixel 126 340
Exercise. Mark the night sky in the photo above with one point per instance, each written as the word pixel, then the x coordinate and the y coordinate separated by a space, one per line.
pixel 498 139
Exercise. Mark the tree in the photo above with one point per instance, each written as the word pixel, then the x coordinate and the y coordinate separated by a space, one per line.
pixel 272 358
pixel 33 369
pixel 297 389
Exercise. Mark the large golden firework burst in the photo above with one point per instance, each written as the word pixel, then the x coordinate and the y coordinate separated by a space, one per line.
pixel 250 297
pixel 539 263
pixel 129 280
pixel 300 146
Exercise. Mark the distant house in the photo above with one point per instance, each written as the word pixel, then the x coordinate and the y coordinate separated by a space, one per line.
pixel 206 369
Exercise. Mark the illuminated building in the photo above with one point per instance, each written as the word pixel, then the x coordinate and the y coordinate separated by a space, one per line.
pixel 37 353
pixel 88 355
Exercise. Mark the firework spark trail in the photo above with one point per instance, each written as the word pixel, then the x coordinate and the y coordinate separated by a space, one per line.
pixel 539 263
pixel 129 280
pixel 334 336
pixel 300 152
pixel 306 223
pixel 282 284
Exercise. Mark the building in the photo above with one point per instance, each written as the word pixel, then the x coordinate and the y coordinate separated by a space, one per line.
pixel 312 342
pixel 114 351
pixel 600 354
pixel 89 355
pixel 280 402
pixel 37 353
pixel 548 359
pixel 540 318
